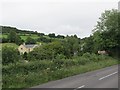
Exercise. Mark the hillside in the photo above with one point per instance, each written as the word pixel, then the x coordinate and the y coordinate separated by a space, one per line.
pixel 7 29
pixel 24 34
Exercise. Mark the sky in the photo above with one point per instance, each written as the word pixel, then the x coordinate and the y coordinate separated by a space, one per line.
pixel 65 17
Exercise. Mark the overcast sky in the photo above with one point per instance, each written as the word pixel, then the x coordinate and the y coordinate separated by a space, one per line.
pixel 64 17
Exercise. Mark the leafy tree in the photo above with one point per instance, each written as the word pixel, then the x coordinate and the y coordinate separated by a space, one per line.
pixel 60 36
pixel 30 40
pixel 25 56
pixel 52 35
pixel 88 45
pixel 14 38
pixel 41 34
pixel 72 46
pixel 107 32
pixel 47 51
pixel 44 39
pixel 18 40
pixel 4 40
pixel 9 55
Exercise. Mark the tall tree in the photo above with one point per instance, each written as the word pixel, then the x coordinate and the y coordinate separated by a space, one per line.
pixel 107 31
pixel 14 38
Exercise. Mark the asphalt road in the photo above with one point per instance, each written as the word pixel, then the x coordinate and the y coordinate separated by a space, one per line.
pixel 103 78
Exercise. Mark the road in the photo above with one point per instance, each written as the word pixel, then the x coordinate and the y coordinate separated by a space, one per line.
pixel 102 78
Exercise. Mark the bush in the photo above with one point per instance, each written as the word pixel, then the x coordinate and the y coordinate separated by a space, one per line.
pixel 9 55
pixel 25 68
pixel 29 74
pixel 86 55
pixel 94 57
pixel 4 40
pixel 83 61
pixel 60 56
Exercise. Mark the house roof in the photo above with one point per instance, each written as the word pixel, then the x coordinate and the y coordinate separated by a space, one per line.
pixel 29 45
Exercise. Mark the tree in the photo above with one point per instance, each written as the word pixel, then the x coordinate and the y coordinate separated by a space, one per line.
pixel 4 40
pixel 44 39
pixel 41 34
pixel 107 32
pixel 72 46
pixel 52 35
pixel 60 36
pixel 9 55
pixel 25 56
pixel 14 38
pixel 47 51
pixel 88 45
pixel 30 40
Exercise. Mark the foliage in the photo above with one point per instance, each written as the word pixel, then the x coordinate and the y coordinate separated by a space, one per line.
pixel 52 35
pixel 14 38
pixel 47 70
pixel 66 48
pixel 4 40
pixel 9 55
pixel 87 45
pixel 44 39
pixel 7 30
pixel 30 40
pixel 13 45
pixel 60 36
pixel 25 56
pixel 41 34
pixel 47 51
pixel 72 46
pixel 107 33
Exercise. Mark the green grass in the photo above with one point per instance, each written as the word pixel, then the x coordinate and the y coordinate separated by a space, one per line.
pixel 22 36
pixel 24 75
pixel 32 36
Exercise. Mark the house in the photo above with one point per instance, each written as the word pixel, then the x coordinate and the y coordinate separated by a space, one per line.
pixel 26 48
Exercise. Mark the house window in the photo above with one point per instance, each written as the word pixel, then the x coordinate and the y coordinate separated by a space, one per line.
pixel 21 48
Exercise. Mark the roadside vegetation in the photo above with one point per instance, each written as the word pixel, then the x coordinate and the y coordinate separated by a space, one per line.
pixel 58 56
pixel 24 75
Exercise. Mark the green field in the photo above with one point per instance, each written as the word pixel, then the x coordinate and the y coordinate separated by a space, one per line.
pixel 32 36
pixel 22 36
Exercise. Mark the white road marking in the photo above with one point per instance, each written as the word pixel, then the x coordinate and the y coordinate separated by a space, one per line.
pixel 80 87
pixel 108 75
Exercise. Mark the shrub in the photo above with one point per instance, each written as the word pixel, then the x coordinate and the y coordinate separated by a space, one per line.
pixel 83 60
pixel 86 55
pixel 9 55
pixel 94 58
pixel 60 56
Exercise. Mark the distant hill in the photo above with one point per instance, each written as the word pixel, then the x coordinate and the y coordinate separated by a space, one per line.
pixel 24 34
pixel 7 29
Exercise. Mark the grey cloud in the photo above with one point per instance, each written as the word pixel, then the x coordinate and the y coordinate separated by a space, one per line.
pixel 59 17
